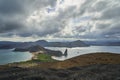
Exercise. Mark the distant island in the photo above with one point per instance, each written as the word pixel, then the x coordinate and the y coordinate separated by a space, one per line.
pixel 39 50
pixel 43 43
pixel 69 44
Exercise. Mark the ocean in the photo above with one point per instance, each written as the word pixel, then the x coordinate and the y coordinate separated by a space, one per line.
pixel 73 52
pixel 8 56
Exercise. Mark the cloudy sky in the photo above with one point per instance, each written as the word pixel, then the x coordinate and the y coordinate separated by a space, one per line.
pixel 60 19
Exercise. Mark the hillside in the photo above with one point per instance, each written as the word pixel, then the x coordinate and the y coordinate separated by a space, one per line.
pixel 94 66
pixel 82 60
pixel 43 43
pixel 93 72
pixel 39 50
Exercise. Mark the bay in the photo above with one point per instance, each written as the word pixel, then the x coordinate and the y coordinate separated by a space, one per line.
pixel 73 52
pixel 8 56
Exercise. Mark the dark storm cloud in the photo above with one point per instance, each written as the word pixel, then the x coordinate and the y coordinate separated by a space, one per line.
pixel 18 6
pixel 112 13
pixel 104 18
pixel 103 26
pixel 68 13
pixel 9 26
pixel 52 25
pixel 10 7
pixel 14 12
pixel 114 29
pixel 107 22
pixel 46 27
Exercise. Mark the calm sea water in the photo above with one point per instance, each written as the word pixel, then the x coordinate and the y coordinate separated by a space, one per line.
pixel 7 56
pixel 73 52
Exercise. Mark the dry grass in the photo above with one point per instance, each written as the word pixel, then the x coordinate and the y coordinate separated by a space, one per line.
pixel 83 60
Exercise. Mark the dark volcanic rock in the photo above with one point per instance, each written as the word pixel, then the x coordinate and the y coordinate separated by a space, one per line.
pixel 31 48
pixel 54 53
pixel 38 48
pixel 20 50
pixel 93 72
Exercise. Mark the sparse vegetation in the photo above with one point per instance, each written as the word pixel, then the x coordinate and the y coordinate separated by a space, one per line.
pixel 93 72
pixel 95 66
pixel 44 58
pixel 45 61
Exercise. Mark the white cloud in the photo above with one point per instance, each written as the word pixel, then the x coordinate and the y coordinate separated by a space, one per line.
pixel 64 18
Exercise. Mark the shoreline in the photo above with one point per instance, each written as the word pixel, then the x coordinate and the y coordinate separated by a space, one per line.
pixel 34 55
pixel 82 60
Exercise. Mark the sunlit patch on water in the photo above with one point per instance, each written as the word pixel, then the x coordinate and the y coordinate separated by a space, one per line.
pixel 73 52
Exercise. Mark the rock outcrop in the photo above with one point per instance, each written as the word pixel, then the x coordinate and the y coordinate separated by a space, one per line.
pixel 39 49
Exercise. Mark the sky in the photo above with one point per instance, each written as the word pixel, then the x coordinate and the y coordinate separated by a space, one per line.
pixel 22 20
